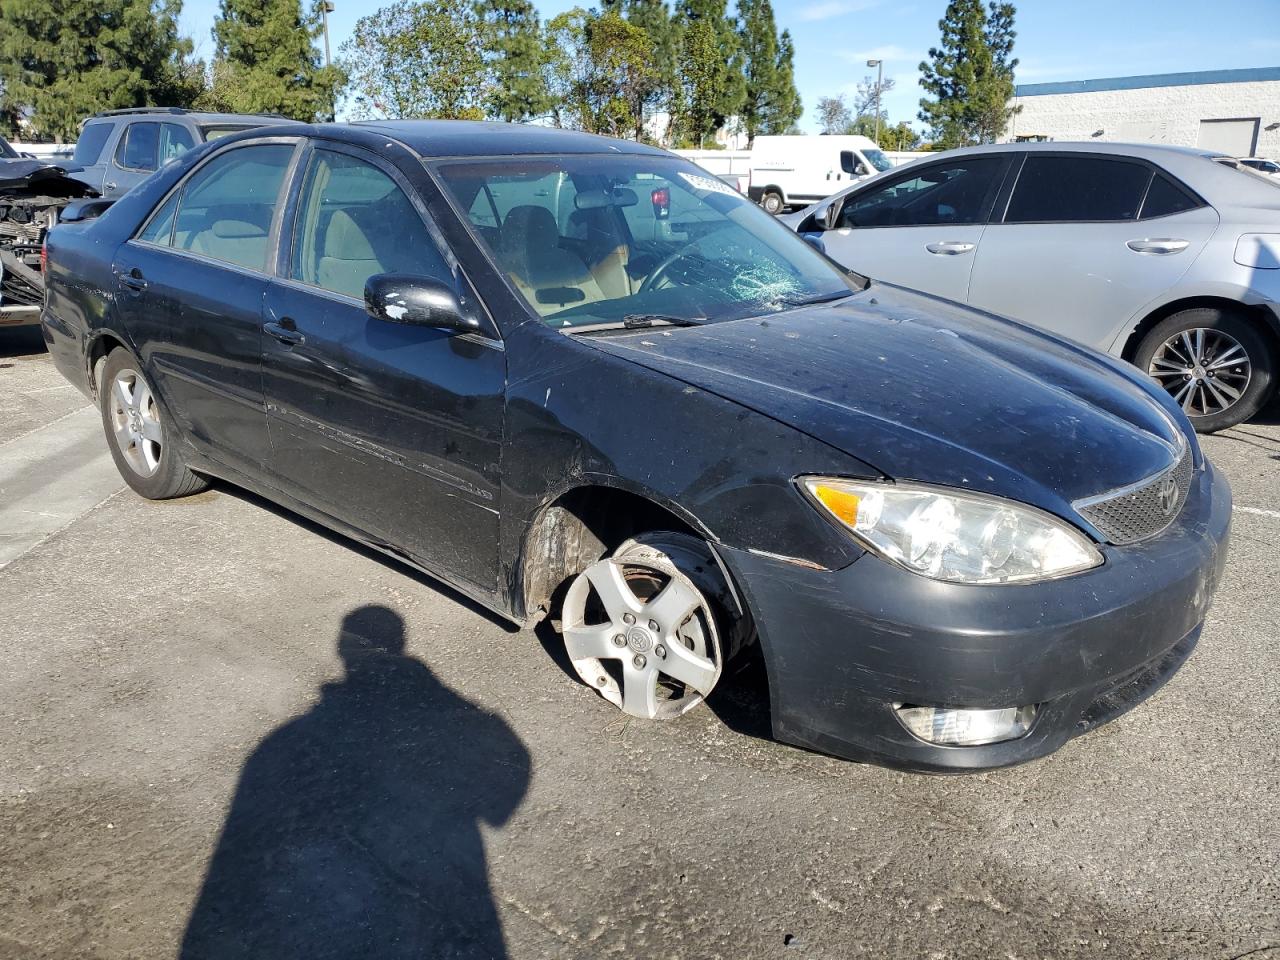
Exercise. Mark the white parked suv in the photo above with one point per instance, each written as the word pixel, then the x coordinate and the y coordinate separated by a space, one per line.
pixel 1155 254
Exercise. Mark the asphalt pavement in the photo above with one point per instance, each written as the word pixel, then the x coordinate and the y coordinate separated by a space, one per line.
pixel 200 696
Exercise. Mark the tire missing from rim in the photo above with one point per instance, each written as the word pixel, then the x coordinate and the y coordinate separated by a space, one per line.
pixel 642 632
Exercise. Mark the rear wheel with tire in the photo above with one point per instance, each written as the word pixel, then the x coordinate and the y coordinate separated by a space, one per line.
pixel 651 626
pixel 1215 363
pixel 140 439
pixel 772 202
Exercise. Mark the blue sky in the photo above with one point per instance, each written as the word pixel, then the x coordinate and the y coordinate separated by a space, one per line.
pixel 1057 39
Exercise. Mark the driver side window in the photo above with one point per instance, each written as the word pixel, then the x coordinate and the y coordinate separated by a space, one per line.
pixel 956 192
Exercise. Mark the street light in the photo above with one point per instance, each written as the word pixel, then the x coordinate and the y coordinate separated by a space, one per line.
pixel 879 84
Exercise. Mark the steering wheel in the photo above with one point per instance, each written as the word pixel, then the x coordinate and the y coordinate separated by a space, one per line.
pixel 656 273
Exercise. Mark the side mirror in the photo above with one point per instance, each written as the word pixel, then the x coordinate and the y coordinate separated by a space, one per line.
pixel 79 210
pixel 860 170
pixel 405 298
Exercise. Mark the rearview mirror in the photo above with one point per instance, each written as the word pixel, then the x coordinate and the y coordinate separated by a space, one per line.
pixel 405 298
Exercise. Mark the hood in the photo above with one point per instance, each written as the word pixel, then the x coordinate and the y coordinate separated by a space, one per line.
pixel 926 390
pixel 38 177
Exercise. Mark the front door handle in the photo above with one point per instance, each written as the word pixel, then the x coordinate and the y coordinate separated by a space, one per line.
pixel 1158 246
pixel 949 248
pixel 134 280
pixel 285 331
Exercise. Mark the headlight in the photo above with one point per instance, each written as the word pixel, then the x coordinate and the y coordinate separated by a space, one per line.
pixel 954 535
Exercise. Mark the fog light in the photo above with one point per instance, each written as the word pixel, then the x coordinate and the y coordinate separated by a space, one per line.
pixel 966 728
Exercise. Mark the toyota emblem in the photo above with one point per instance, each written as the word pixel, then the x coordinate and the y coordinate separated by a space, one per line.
pixel 1167 496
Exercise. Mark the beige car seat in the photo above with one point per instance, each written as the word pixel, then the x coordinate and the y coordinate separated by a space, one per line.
pixel 550 277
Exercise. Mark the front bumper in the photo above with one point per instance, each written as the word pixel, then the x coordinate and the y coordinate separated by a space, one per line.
pixel 841 647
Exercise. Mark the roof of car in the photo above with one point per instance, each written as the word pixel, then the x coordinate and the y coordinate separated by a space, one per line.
pixel 1150 151
pixel 465 138
pixel 169 113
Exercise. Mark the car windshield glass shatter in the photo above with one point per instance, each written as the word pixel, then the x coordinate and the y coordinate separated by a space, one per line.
pixel 957 192
pixel 593 239
pixel 1165 197
pixel 89 146
pixel 138 151
pixel 1065 189
pixel 226 207
pixel 355 222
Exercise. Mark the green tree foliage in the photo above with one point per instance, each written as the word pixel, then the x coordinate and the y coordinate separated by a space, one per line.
pixel 61 60
pixel 269 63
pixel 786 107
pixel 870 96
pixel 712 83
pixel 600 72
pixel 969 75
pixel 413 60
pixel 759 38
pixel 515 52
pixel 663 31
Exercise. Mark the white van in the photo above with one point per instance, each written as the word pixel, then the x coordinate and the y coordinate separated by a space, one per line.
pixel 794 171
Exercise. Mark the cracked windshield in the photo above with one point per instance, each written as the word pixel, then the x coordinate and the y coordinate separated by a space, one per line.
pixel 633 241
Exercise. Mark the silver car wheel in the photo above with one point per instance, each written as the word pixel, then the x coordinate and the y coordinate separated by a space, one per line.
pixel 1204 369
pixel 642 634
pixel 135 422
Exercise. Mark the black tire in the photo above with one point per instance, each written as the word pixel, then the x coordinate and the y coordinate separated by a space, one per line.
pixel 1253 393
pixel 772 202
pixel 168 476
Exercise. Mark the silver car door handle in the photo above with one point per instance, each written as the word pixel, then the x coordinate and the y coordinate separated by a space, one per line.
pixel 949 248
pixel 1158 245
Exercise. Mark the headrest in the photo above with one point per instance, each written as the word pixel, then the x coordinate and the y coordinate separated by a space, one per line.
pixel 236 229
pixel 345 240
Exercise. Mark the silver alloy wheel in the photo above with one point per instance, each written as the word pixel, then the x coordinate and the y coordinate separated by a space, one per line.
pixel 1204 369
pixel 135 422
pixel 642 634
pixel 772 203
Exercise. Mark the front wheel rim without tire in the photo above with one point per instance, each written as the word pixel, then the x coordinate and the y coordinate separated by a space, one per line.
pixel 642 635
pixel 135 422
pixel 1205 370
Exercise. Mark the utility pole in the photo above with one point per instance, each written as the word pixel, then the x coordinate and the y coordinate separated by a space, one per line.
pixel 326 8
pixel 879 85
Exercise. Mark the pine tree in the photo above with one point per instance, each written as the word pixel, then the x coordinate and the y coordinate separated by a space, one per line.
pixel 654 18
pixel 760 64
pixel 785 104
pixel 61 60
pixel 970 76
pixel 515 51
pixel 267 49
pixel 713 86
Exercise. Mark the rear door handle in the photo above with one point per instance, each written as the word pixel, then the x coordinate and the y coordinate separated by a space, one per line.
pixel 285 331
pixel 1158 246
pixel 949 248
pixel 134 280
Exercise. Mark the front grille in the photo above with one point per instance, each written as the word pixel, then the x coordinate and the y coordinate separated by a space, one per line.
pixel 1143 510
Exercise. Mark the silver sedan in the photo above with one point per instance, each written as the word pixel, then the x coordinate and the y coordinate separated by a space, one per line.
pixel 1155 254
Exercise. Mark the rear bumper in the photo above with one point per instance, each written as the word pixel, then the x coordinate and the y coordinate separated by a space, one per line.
pixel 842 647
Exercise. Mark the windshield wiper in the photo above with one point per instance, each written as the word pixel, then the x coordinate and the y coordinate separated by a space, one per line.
pixel 636 321
pixel 817 298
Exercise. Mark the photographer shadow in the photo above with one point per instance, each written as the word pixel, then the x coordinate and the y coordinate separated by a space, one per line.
pixel 355 828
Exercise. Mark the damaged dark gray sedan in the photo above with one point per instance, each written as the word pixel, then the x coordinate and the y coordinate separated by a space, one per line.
pixel 582 379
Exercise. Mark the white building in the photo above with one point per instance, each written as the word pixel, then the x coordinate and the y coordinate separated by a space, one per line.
pixel 1236 112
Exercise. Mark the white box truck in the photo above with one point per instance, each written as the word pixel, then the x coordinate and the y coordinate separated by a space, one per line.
pixel 794 171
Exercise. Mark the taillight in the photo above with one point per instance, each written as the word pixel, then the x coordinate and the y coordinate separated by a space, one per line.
pixel 661 200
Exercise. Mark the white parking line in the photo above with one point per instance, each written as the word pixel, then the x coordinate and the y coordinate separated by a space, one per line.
pixel 50 477
pixel 1259 512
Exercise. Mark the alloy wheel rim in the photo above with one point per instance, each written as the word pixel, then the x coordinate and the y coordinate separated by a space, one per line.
pixel 1206 371
pixel 641 634
pixel 135 422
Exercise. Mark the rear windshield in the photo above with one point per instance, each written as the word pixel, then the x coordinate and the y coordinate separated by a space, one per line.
pixel 222 130
pixel 92 139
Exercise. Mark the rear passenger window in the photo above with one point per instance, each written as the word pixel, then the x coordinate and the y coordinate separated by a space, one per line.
pixel 89 146
pixel 1166 197
pixel 354 222
pixel 1066 189
pixel 227 205
pixel 137 151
